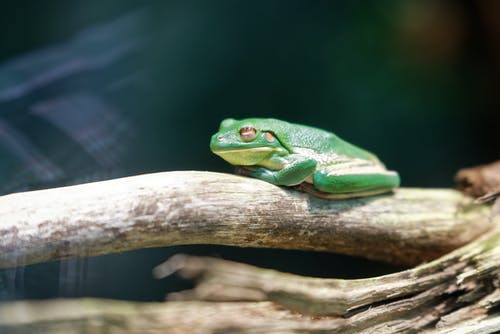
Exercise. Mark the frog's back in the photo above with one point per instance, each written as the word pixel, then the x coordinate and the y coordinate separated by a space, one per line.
pixel 299 137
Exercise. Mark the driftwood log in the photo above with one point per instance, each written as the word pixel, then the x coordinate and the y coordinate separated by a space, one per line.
pixel 456 292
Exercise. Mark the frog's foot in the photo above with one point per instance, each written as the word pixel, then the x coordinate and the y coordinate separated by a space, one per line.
pixel 310 189
pixel 242 170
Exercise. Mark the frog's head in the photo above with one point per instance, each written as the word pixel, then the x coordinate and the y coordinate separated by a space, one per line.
pixel 245 142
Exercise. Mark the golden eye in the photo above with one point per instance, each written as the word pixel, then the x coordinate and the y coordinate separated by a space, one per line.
pixel 248 133
pixel 269 136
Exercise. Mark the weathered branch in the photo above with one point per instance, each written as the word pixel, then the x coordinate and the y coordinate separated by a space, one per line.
pixel 175 208
pixel 472 267
pixel 458 293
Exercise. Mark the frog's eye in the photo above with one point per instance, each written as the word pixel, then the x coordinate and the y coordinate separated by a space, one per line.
pixel 247 133
pixel 269 136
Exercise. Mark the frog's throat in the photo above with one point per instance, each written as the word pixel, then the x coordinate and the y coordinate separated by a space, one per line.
pixel 243 150
pixel 247 156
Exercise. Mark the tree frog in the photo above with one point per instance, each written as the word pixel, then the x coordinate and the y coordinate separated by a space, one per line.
pixel 313 160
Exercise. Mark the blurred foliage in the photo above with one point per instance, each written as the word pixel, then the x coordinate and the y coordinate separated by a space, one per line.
pixel 91 90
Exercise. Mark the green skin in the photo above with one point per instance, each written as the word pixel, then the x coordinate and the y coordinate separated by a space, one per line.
pixel 287 154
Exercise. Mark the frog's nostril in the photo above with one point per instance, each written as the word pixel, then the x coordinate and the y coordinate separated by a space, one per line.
pixel 219 138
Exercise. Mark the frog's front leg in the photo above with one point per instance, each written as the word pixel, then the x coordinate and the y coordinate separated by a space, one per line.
pixel 293 169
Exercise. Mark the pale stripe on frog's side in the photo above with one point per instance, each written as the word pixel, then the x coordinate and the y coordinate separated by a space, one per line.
pixel 318 161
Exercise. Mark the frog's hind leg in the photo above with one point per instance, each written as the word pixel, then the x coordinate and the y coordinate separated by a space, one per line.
pixel 357 181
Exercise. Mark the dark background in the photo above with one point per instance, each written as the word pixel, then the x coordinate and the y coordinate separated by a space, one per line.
pixel 92 90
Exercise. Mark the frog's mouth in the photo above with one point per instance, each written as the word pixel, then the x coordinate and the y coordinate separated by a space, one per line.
pixel 245 156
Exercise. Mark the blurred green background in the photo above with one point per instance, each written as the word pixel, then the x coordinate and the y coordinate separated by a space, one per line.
pixel 92 90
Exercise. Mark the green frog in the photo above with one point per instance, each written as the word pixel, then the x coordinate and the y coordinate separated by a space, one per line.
pixel 313 160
